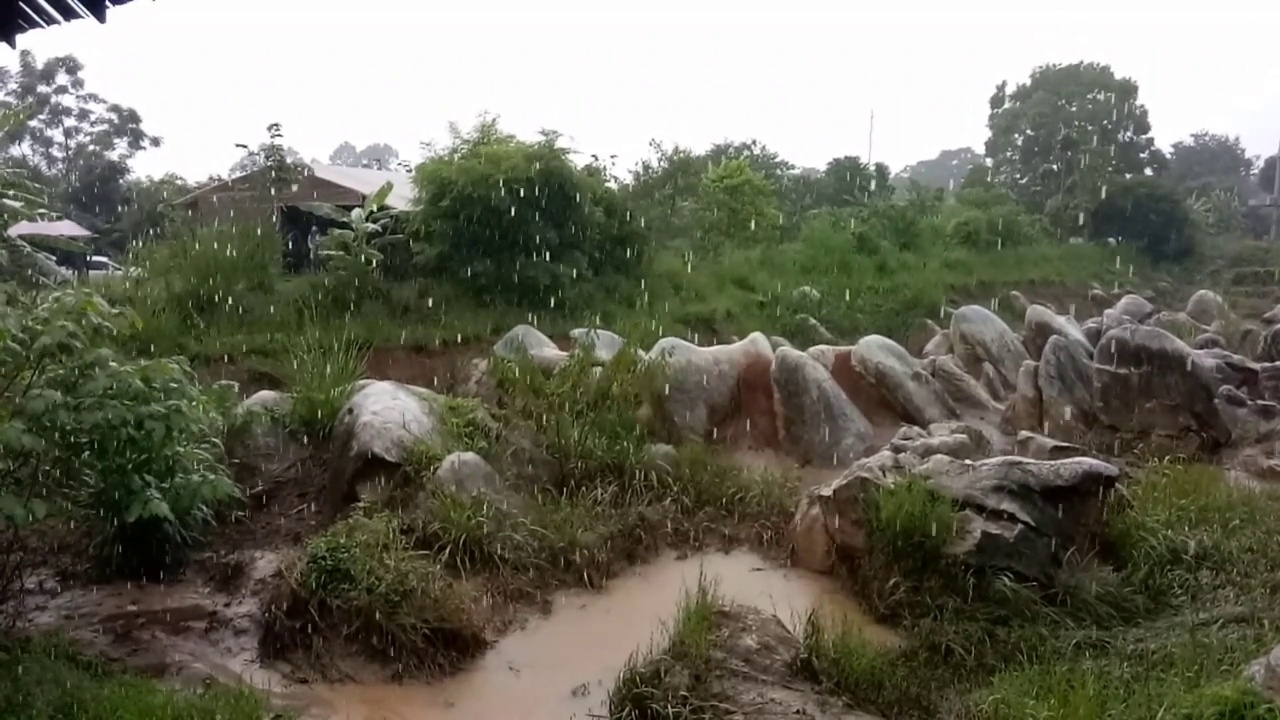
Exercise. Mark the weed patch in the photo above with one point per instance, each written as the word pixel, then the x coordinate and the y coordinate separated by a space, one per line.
pixel 359 586
pixel 322 370
pixel 1165 633
pixel 44 679
pixel 670 681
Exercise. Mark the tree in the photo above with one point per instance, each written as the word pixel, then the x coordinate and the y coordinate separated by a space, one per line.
pixel 284 161
pixel 1210 161
pixel 377 156
pixel 946 171
pixel 1058 139
pixel 518 221
pixel 1147 212
pixel 74 142
pixel 759 157
pixel 847 181
pixel 735 205
pixel 661 188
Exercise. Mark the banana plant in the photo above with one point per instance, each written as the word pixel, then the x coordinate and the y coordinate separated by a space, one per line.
pixel 365 231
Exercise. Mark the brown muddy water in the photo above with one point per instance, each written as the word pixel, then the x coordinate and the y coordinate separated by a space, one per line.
pixel 562 665
pixel 557 666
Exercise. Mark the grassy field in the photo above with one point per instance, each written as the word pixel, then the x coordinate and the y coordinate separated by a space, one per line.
pixel 1166 633
pixel 220 293
pixel 43 679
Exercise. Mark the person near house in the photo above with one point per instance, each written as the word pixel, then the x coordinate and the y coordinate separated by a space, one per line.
pixel 313 247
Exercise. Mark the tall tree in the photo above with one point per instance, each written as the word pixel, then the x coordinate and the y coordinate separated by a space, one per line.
pixel 1057 139
pixel 1210 160
pixel 946 171
pixel 376 156
pixel 74 141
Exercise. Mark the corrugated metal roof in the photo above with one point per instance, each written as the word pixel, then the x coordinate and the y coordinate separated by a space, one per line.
pixel 366 182
pixel 26 15
pixel 362 180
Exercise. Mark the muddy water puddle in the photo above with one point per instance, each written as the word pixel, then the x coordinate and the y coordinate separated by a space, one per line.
pixel 562 665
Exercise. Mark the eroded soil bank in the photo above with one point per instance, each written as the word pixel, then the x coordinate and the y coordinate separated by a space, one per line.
pixel 559 665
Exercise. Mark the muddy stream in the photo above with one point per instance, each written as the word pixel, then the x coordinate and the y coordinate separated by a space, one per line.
pixel 557 666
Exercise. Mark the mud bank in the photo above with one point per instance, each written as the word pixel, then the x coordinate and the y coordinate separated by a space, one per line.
pixel 562 665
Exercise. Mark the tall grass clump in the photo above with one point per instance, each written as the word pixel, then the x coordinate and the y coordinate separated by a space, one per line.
pixel 589 419
pixel 1162 627
pixel 322 369
pixel 360 586
pixel 212 280
pixel 670 681
pixel 45 679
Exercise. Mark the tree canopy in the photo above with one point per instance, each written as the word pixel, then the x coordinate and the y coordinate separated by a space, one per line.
pixel 1210 160
pixel 1060 137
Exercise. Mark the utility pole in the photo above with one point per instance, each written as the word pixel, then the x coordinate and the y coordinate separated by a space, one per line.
pixel 871 133
pixel 1274 200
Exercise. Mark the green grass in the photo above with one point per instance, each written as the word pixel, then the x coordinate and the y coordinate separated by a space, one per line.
pixel 360 587
pixel 44 679
pixel 322 369
pixel 217 295
pixel 670 681
pixel 1166 634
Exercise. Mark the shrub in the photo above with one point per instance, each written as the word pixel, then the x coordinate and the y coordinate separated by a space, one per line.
pixel 517 222
pixel 1148 213
pixel 360 585
pixel 130 446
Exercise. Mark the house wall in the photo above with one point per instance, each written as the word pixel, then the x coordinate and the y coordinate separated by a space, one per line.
pixel 242 201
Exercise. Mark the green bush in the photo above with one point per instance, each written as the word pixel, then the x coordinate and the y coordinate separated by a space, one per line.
pixel 128 446
pixel 360 585
pixel 1147 213
pixel 517 222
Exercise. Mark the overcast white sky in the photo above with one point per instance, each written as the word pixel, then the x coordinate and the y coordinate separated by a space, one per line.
pixel 206 74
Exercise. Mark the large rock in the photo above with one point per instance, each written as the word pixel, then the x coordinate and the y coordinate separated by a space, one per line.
pixel 1024 410
pixel 903 381
pixel 1065 380
pixel 1264 673
pixel 1040 323
pixel 381 422
pixel 964 391
pixel 1148 382
pixel 979 335
pixel 1207 307
pixel 709 388
pixel 1269 345
pixel 1135 307
pixel 819 424
pixel 603 344
pixel 1178 324
pixel 528 341
pixel 1017 514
